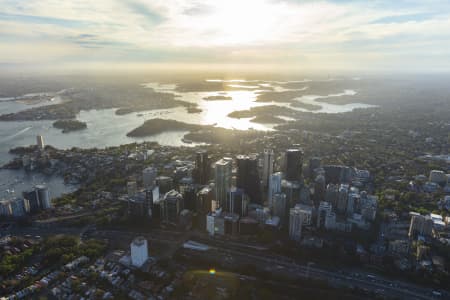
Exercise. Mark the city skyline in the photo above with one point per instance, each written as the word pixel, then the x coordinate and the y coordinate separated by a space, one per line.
pixel 284 35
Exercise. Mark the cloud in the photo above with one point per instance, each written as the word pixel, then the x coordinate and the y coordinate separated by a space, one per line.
pixel 215 31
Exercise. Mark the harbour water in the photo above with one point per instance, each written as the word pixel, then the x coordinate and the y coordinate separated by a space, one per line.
pixel 105 128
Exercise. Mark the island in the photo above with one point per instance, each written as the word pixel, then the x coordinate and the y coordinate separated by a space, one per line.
pixel 156 126
pixel 268 119
pixel 307 106
pixel 193 109
pixel 69 125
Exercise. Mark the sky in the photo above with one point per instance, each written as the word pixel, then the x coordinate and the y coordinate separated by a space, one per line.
pixel 290 34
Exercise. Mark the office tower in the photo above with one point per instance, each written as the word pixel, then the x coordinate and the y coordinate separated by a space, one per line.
pixel 338 174
pixel 204 198
pixel 324 209
pixel 5 208
pixel 305 195
pixel 342 198
pixel 139 251
pixel 294 164
pixel 165 184
pixel 267 167
pixel 148 177
pixel 237 202
pixel 332 194
pixel 43 196
pixel 330 221
pixel 306 212
pixel 137 205
pixel 314 163
pixel 151 197
pixel 189 193
pixel 280 206
pixel 33 201
pixel 292 191
pixel 18 208
pixel 40 142
pixel 215 223
pixel 352 202
pixel 248 177
pixel 420 225
pixel 274 186
pixel 319 189
pixel 295 224
pixel 131 188
pixel 201 171
pixel 222 179
pixel 171 207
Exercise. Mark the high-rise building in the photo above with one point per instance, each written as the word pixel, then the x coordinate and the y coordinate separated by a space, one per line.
pixel 5 208
pixel 248 177
pixel 165 184
pixel 274 186
pixel 342 199
pixel 204 200
pixel 292 191
pixel 189 192
pixel 330 221
pixel 267 167
pixel 201 171
pixel 319 189
pixel 324 209
pixel 314 163
pixel 171 206
pixel 222 179
pixel 338 174
pixel 40 142
pixel 18 208
pixel 420 225
pixel 237 202
pixel 33 200
pixel 280 206
pixel 149 177
pixel 152 197
pixel 139 251
pixel 332 194
pixel 295 224
pixel 306 212
pixel 352 202
pixel 43 196
pixel 294 164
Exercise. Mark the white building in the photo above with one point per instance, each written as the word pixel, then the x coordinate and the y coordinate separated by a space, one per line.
pixel 139 251
pixel 149 176
pixel 274 186
pixel 295 224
